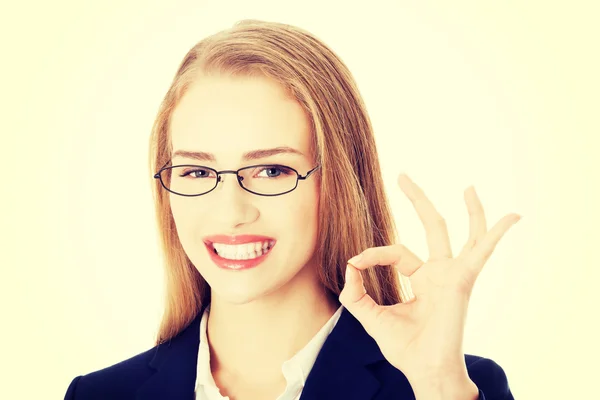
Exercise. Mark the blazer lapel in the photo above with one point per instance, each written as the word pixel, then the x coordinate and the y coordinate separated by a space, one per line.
pixel 175 364
pixel 341 368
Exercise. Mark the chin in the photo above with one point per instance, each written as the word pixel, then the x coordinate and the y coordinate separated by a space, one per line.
pixel 239 294
pixel 245 291
pixel 238 299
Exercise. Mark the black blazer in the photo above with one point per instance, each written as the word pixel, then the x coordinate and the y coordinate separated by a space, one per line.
pixel 349 366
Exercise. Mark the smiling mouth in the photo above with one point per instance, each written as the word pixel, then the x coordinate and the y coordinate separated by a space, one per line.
pixel 242 252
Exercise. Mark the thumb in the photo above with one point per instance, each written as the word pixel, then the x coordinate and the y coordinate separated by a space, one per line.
pixel 355 299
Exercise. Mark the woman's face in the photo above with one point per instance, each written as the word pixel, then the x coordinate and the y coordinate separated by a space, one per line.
pixel 228 117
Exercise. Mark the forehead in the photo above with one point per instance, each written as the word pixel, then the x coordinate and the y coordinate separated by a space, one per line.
pixel 228 116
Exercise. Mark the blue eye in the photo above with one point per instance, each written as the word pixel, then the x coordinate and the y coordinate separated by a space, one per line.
pixel 195 173
pixel 278 170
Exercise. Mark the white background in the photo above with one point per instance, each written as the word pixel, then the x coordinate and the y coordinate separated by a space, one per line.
pixel 501 95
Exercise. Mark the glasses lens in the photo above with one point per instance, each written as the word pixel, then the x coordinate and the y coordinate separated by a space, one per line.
pixel 191 179
pixel 269 179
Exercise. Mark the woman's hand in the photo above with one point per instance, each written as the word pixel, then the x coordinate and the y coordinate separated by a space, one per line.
pixel 423 338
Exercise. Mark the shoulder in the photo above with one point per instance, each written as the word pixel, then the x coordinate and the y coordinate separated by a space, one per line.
pixel 118 381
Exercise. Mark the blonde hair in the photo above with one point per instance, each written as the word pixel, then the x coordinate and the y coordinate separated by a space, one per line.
pixel 354 212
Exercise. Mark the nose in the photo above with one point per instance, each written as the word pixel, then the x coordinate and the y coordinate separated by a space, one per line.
pixel 230 179
pixel 233 205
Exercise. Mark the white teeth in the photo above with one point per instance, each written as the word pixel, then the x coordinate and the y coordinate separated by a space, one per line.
pixel 241 252
pixel 244 251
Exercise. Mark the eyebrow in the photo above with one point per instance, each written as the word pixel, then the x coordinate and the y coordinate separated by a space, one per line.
pixel 251 155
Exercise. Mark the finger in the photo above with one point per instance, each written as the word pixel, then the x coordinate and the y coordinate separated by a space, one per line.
pixel 436 230
pixel 356 300
pixel 484 249
pixel 396 255
pixel 477 220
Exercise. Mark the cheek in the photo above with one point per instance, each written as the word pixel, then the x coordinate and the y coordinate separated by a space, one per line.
pixel 178 209
pixel 186 217
pixel 302 219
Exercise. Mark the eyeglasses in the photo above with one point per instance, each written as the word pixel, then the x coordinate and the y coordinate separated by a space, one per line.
pixel 262 180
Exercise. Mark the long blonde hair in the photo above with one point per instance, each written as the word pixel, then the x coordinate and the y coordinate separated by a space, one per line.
pixel 354 212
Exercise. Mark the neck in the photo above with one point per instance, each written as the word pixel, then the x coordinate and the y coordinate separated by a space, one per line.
pixel 251 341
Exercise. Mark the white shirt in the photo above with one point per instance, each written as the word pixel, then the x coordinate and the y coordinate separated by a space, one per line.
pixel 295 370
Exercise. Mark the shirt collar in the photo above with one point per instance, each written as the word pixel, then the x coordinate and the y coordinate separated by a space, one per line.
pixel 301 363
pixel 295 370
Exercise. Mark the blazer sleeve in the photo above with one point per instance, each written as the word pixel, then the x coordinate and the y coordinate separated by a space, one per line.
pixel 490 379
pixel 70 395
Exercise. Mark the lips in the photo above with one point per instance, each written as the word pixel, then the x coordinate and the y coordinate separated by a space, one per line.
pixel 238 239
pixel 234 265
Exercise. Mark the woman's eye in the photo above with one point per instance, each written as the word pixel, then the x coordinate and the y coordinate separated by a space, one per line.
pixel 196 173
pixel 274 171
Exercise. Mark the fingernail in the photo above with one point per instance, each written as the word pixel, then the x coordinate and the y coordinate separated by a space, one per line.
pixel 355 260
pixel 348 272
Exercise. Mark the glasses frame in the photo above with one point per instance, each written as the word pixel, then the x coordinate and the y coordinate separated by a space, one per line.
pixel 299 177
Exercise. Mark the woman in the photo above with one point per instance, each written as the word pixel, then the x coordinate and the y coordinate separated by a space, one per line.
pixel 262 302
